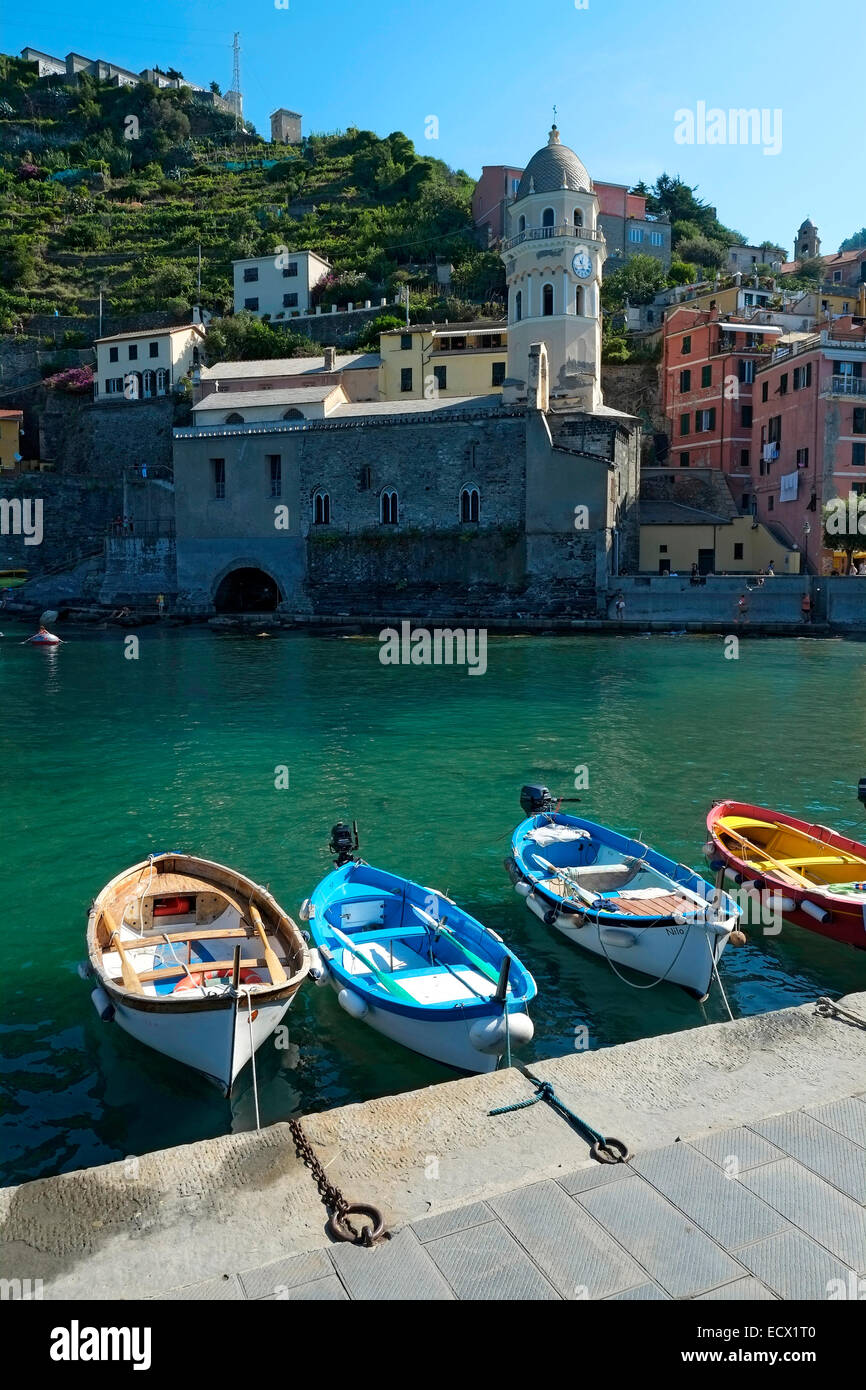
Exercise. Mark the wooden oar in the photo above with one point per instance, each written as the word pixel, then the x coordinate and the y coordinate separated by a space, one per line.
pixel 127 969
pixel 439 926
pixel 277 973
pixel 390 985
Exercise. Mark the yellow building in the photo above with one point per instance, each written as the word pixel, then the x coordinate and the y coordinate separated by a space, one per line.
pixel 689 517
pixel 444 360
pixel 10 436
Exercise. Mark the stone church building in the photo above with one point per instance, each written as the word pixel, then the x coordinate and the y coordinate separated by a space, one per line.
pixel 513 504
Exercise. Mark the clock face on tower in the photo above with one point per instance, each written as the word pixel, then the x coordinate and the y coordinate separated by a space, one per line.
pixel 581 263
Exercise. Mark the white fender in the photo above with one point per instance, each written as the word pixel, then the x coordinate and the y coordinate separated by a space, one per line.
pixel 488 1035
pixel 102 1004
pixel 617 936
pixel 355 1006
pixel 306 912
pixel 318 968
pixel 523 888
pixel 819 913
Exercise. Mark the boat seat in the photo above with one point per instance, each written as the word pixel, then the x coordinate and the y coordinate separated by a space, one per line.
pixel 378 953
pixel 799 861
pixel 603 878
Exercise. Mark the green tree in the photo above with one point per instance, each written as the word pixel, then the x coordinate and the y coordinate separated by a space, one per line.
pixel 638 281
pixel 702 251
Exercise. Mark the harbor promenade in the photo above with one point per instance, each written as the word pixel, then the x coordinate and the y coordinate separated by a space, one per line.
pixel 747 1181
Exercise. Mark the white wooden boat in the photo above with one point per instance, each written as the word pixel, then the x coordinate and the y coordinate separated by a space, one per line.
pixel 194 960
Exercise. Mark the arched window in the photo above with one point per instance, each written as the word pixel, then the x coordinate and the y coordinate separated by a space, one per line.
pixel 321 508
pixel 578 217
pixel 389 508
pixel 547 301
pixel 518 306
pixel 548 218
pixel 521 225
pixel 294 414
pixel 161 381
pixel 470 504
pixel 149 384
pixel 234 418
pixel 578 299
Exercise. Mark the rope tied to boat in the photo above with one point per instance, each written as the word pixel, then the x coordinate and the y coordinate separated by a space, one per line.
pixel 828 1008
pixel 603 1149
pixel 337 1205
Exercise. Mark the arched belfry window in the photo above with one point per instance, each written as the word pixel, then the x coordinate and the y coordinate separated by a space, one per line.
pixel 548 219
pixel 547 301
pixel 470 504
pixel 578 217
pixel 321 508
pixel 578 299
pixel 389 506
pixel 518 306
pixel 521 225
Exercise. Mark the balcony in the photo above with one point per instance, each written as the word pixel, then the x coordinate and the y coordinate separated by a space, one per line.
pixel 847 386
pixel 566 229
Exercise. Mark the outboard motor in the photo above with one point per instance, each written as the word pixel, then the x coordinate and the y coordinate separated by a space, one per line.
pixel 534 800
pixel 343 843
pixel 861 792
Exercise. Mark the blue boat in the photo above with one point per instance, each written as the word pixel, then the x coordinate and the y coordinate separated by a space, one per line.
pixel 615 896
pixel 416 967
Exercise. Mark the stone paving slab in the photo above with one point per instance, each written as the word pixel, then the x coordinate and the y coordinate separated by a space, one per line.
pixel 269 1281
pixel 830 1155
pixel 486 1262
pixel 739 1146
pixel 320 1291
pixel 682 1258
pixel 847 1117
pixel 396 1269
pixel 447 1222
pixel 830 1218
pixel 793 1266
pixel 749 1290
pixel 579 1258
pixel 718 1204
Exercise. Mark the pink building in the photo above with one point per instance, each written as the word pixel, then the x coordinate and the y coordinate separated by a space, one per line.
pixel 809 433
pixel 622 216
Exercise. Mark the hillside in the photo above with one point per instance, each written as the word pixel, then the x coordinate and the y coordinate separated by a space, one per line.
pixel 82 206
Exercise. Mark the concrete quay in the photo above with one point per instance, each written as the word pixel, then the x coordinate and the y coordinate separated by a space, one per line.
pixel 747 1181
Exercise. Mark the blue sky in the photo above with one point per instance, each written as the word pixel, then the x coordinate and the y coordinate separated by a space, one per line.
pixel 618 71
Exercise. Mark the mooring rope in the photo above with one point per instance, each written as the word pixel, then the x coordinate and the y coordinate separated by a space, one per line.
pixel 604 1149
pixel 828 1008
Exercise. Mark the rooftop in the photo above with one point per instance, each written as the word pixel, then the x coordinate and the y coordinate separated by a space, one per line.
pixel 553 167
pixel 247 400
pixel 288 366
pixel 153 332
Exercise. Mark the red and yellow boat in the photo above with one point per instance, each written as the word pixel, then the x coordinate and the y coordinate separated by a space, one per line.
pixel 816 876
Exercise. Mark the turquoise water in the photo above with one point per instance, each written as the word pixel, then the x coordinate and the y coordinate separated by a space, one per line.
pixel 106 759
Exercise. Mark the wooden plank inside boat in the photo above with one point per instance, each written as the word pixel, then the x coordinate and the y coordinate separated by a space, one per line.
pixel 664 905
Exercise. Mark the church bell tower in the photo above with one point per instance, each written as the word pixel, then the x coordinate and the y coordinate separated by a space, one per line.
pixel 553 255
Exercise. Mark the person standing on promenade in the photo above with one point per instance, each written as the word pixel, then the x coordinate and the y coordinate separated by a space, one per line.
pixel 806 607
pixel 742 609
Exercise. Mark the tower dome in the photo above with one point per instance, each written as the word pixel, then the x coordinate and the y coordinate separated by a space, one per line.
pixel 553 167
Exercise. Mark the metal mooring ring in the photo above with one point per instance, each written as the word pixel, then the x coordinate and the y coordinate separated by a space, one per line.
pixel 340 1228
pixel 611 1151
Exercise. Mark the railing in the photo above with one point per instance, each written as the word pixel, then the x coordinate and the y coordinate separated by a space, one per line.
pixel 847 386
pixel 548 233
pixel 134 530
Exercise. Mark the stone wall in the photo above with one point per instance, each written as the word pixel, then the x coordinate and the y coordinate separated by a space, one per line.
pixel 80 438
pixel 336 330
pixel 138 567
pixel 75 512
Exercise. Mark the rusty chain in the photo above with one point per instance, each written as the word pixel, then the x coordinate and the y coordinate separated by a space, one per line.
pixel 339 1208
